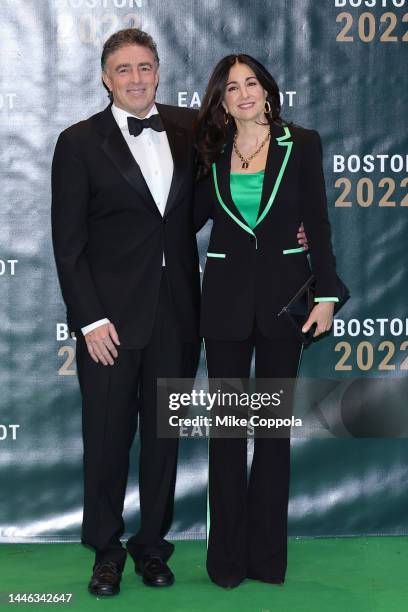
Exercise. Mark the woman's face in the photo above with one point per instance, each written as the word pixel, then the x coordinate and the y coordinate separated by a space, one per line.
pixel 244 97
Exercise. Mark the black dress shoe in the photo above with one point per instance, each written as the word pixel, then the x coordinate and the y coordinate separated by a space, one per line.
pixel 155 572
pixel 105 579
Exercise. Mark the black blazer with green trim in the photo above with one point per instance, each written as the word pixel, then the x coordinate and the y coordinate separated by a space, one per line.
pixel 251 274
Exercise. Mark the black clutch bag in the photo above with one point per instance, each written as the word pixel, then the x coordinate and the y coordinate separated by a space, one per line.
pixel 298 309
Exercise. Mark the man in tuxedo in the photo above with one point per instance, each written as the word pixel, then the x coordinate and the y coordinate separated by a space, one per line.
pixel 122 187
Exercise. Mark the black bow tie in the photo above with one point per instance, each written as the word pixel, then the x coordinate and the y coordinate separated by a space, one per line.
pixel 136 126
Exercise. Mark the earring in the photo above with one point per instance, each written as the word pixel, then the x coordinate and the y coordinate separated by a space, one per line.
pixel 226 118
pixel 269 108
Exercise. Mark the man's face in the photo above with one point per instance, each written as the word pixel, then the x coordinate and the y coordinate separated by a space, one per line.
pixel 131 74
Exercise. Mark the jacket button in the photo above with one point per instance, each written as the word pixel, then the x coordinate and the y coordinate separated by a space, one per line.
pixel 165 220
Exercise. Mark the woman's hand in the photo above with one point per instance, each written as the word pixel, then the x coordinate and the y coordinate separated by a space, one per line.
pixel 322 314
pixel 302 238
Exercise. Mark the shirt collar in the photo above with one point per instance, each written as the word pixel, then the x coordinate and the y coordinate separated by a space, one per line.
pixel 121 115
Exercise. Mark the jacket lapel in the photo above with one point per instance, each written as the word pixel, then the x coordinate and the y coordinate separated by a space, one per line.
pixel 115 147
pixel 222 182
pixel 280 148
pixel 178 147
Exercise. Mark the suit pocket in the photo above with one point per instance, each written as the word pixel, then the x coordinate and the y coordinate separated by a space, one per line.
pixel 292 251
pixel 216 255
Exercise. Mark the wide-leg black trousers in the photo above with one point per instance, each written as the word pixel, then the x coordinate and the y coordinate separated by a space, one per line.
pixel 248 517
pixel 116 401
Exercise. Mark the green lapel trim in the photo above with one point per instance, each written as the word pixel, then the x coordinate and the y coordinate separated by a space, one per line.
pixel 225 207
pixel 289 251
pixel 283 142
pixel 218 255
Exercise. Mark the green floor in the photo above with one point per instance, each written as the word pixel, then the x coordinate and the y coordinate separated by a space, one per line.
pixel 347 575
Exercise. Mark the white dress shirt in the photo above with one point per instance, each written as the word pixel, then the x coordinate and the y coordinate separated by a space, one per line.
pixel 151 151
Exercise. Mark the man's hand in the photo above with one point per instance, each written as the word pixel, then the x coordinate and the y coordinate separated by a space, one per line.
pixel 302 238
pixel 322 314
pixel 101 343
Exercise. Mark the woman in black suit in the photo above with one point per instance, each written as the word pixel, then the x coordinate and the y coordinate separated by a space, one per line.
pixel 259 178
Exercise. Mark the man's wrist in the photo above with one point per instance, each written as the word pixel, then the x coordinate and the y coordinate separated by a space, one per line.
pixel 88 328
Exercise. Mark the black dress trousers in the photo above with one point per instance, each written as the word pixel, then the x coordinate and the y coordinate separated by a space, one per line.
pixel 248 518
pixel 116 399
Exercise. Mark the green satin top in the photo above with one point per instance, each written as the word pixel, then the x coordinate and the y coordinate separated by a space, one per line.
pixel 246 191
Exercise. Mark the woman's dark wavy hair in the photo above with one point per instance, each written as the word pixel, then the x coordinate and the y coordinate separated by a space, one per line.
pixel 211 131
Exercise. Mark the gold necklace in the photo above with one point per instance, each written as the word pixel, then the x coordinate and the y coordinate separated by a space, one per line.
pixel 246 160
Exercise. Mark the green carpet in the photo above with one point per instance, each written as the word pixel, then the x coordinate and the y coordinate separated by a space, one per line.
pixel 336 574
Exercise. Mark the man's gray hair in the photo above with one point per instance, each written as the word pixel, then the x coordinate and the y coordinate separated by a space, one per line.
pixel 130 36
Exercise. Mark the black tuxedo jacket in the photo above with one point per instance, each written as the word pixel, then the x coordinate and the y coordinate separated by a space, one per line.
pixel 251 274
pixel 109 235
